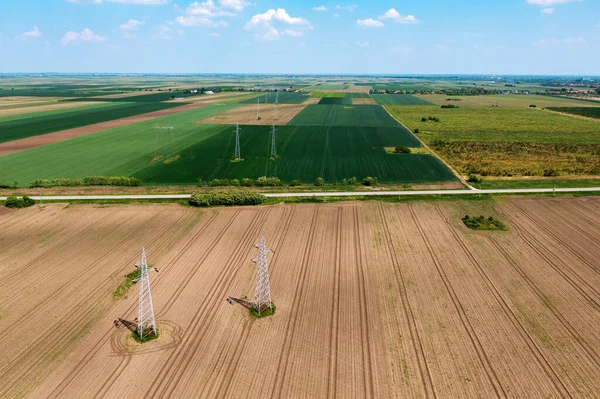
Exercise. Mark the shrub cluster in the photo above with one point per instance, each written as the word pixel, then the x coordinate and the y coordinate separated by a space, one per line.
pixel 481 223
pixel 370 181
pixel 265 181
pixel 14 202
pixel 449 106
pixel 349 182
pixel 227 198
pixel 319 181
pixel 400 149
pixel 430 119
pixel 87 181
pixel 474 179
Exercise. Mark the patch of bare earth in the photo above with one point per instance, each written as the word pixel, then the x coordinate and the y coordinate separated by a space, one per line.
pixel 45 139
pixel 247 115
pixel 49 107
pixel 374 300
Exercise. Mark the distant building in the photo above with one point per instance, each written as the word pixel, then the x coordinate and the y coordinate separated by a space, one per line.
pixel 209 92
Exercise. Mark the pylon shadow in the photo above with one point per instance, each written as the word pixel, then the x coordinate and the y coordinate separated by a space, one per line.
pixel 131 326
pixel 243 302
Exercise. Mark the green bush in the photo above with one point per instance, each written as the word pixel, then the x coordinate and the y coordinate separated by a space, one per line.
pixel 319 181
pixel 234 182
pixel 449 106
pixel 370 181
pixel 481 223
pixel 87 181
pixel 417 131
pixel 219 182
pixel 532 105
pixel 14 202
pixel 247 182
pixel 296 182
pixel 474 179
pixel 349 182
pixel 400 149
pixel 226 198
pixel 265 181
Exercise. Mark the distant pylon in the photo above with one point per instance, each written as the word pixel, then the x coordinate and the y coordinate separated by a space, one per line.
pixel 237 142
pixel 262 292
pixel 258 108
pixel 273 149
pixel 146 323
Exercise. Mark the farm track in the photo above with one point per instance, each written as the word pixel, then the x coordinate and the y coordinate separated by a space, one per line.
pixel 373 300
pixel 424 372
pixel 468 327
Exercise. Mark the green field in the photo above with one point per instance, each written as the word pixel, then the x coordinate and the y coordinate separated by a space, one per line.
pixel 59 111
pixel 332 100
pixel 589 112
pixel 58 120
pixel 204 151
pixel 343 115
pixel 321 94
pixel 399 99
pixel 506 100
pixel 284 98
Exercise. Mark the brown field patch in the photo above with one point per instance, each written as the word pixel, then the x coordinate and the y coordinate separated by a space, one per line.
pixel 45 139
pixel 311 100
pixel 47 107
pixel 363 101
pixel 246 115
pixel 373 300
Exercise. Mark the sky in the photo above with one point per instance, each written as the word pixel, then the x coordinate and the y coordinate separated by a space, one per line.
pixel 541 37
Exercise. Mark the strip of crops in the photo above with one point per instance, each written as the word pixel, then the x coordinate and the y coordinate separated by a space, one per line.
pixel 358 95
pixel 54 122
pixel 590 112
pixel 399 99
pixel 343 115
pixel 283 98
pixel 332 100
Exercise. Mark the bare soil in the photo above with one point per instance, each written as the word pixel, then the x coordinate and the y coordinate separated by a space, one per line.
pixel 373 300
pixel 45 139
pixel 246 115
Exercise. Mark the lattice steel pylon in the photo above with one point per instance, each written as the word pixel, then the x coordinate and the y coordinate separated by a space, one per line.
pixel 257 108
pixel 146 323
pixel 237 142
pixel 262 292
pixel 273 148
pixel 276 117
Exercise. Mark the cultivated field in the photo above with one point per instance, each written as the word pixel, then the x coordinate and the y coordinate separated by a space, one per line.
pixel 505 100
pixel 246 115
pixel 399 99
pixel 373 300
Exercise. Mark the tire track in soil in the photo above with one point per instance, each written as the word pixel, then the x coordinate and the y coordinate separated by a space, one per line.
pixel 335 311
pixel 424 372
pixel 169 381
pixel 102 339
pixel 576 281
pixel 542 360
pixel 557 239
pixel 42 344
pixel 87 312
pixel 365 333
pixel 233 366
pixel 113 377
pixel 570 223
pixel 573 331
pixel 290 327
pixel 584 216
pixel 460 310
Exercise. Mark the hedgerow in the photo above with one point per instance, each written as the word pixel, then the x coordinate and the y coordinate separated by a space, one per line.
pixel 226 198
pixel 87 181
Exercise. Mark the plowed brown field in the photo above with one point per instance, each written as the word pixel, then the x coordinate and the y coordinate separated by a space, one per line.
pixel 246 115
pixel 373 300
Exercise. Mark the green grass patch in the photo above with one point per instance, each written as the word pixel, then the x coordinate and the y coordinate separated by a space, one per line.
pixel 332 100
pixel 343 115
pixel 589 112
pixel 146 338
pixel 538 183
pixel 321 94
pixel 483 223
pixel 265 313
pixel 399 99
pixel 126 284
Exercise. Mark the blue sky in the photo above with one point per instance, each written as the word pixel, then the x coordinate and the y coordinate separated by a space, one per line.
pixel 283 36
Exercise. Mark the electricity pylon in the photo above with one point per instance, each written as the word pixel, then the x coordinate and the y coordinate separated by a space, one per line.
pixel 273 149
pixel 262 292
pixel 237 142
pixel 146 323
pixel 258 108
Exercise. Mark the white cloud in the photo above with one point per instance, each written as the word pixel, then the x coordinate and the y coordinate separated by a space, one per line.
pixel 569 41
pixel 350 8
pixel 85 35
pixel 320 8
pixel 550 3
pixel 548 11
pixel 263 25
pixel 207 9
pixel 164 32
pixel 336 15
pixel 138 2
pixel 399 19
pixel 237 5
pixel 369 23
pixel 200 21
pixel 214 34
pixel 33 33
pixel 132 24
pixel 363 44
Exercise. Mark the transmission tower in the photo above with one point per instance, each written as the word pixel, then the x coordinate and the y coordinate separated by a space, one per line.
pixel 157 128
pixel 258 108
pixel 276 117
pixel 146 323
pixel 237 142
pixel 262 292
pixel 273 149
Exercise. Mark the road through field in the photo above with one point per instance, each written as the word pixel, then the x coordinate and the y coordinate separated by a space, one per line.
pixel 374 300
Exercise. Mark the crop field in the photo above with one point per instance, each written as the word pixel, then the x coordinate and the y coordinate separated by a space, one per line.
pixel 284 98
pixel 589 112
pixel 321 94
pixel 53 121
pixel 373 300
pixel 246 115
pixel 399 99
pixel 343 115
pixel 333 100
pixel 42 106
pixel 506 100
